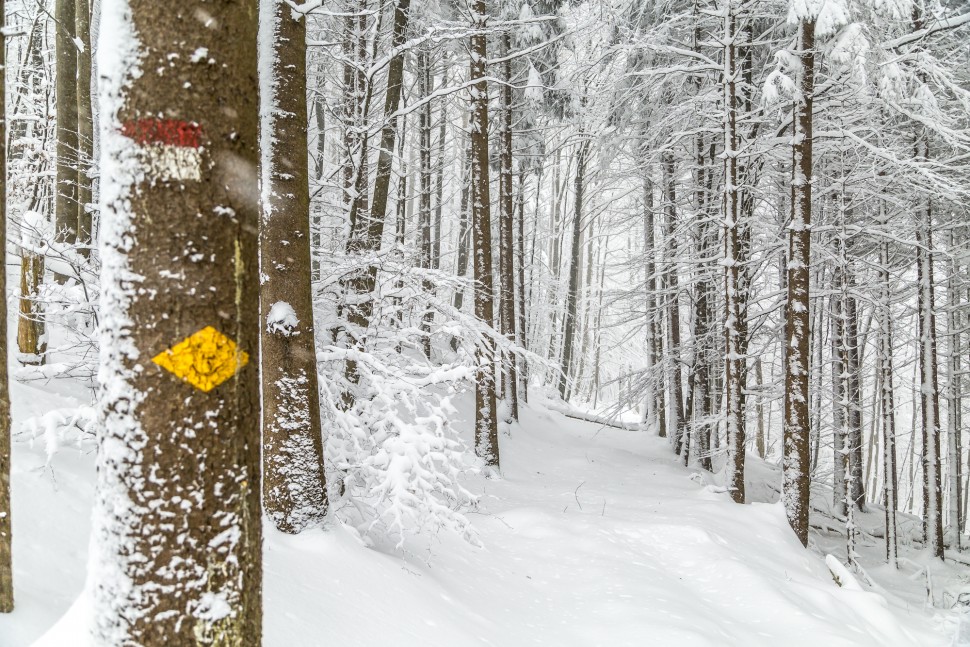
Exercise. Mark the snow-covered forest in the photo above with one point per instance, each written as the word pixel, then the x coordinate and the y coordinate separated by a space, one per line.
pixel 501 322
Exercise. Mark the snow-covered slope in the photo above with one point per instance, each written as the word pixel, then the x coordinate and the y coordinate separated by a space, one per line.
pixel 594 536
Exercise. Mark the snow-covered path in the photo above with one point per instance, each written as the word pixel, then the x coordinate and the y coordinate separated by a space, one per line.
pixel 594 536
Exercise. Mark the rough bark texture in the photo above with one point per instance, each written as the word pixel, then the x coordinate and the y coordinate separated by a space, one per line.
pixel 572 292
pixel 66 202
pixel 506 265
pixel 929 383
pixel 177 537
pixel 734 359
pixel 85 125
pixel 676 419
pixel 294 492
pixel 888 406
pixel 522 368
pixel 486 416
pixel 796 478
pixel 6 528
pixel 425 84
pixel 31 329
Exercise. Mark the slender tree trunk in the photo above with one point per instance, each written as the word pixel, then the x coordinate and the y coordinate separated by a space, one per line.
pixel 506 238
pixel 486 418
pixel 650 408
pixel 572 293
pixel 853 411
pixel 464 216
pixel 929 381
pixel 294 492
pixel 6 518
pixel 522 370
pixel 424 187
pixel 439 183
pixel 178 536
pixel 954 397
pixel 796 479
pixel 762 440
pixel 734 359
pixel 367 225
pixel 676 425
pixel 839 395
pixel 85 125
pixel 888 406
pixel 66 203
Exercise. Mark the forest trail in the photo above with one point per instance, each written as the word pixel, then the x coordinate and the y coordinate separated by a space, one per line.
pixel 594 536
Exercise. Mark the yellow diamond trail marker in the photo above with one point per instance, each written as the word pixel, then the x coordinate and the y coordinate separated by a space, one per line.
pixel 204 359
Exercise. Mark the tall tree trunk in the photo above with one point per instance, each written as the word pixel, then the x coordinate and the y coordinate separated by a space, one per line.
pixel 85 125
pixel 572 293
pixel 857 493
pixel 367 225
pixel 178 536
pixel 676 424
pixel 464 225
pixel 31 333
pixel 439 183
pixel 954 397
pixel 424 187
pixel 522 370
pixel 734 359
pixel 839 395
pixel 650 403
pixel 66 203
pixel 888 406
pixel 486 418
pixel 928 367
pixel 929 381
pixel 506 238
pixel 796 479
pixel 6 518
pixel 294 492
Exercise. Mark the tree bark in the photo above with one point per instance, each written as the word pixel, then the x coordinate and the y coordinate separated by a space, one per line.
pixel 522 370
pixel 6 518
pixel 676 420
pixel 486 416
pixel 796 479
pixel 177 537
pixel 367 225
pixel 929 380
pixel 294 491
pixel 572 293
pixel 424 188
pixel 85 125
pixel 506 239
pixel 66 202
pixel 734 359
pixel 888 406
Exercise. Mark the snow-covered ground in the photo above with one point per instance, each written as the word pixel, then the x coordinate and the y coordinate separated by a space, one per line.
pixel 593 536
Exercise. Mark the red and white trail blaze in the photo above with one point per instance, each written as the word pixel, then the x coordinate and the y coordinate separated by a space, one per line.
pixel 170 148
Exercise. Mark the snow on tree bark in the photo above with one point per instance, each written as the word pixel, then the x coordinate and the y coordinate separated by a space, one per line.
pixel 929 380
pixel 887 405
pixel 66 201
pixel 6 527
pixel 734 361
pixel 176 544
pixel 486 415
pixel 85 125
pixel 796 475
pixel 507 322
pixel 294 492
pixel 572 292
